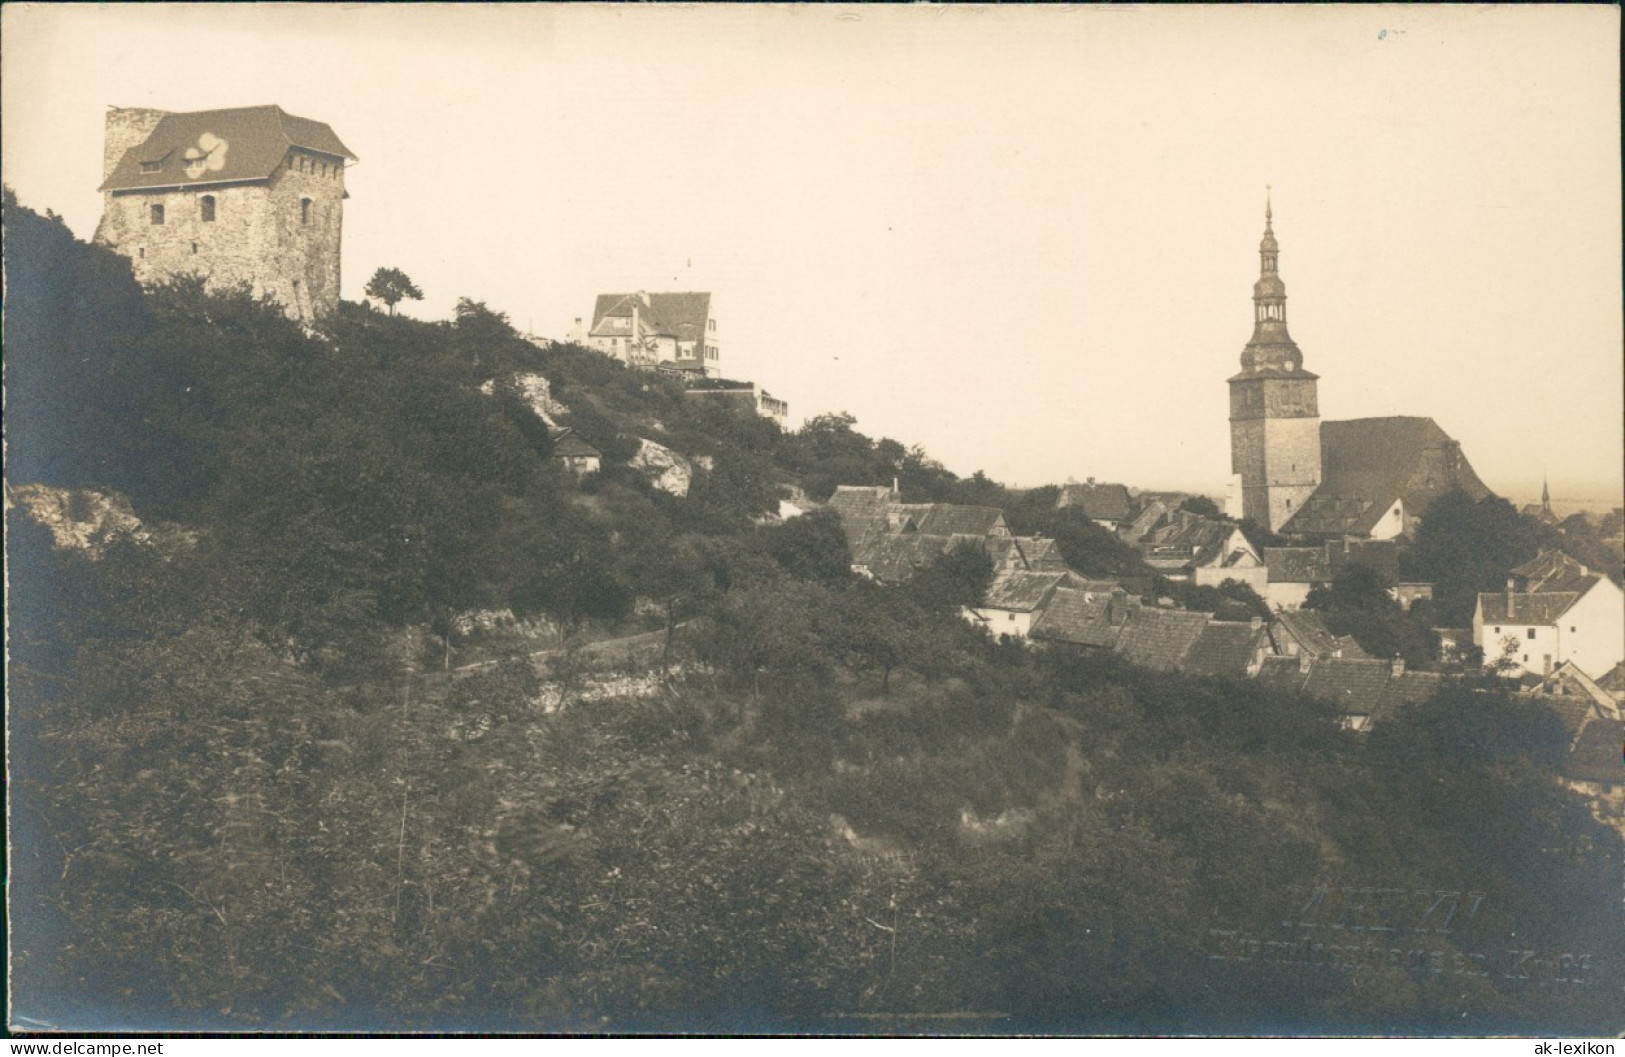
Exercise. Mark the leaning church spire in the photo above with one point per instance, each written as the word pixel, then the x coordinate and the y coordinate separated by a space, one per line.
pixel 1272 349
pixel 1274 411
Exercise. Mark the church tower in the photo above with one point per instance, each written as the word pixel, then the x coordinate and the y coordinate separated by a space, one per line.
pixel 1274 417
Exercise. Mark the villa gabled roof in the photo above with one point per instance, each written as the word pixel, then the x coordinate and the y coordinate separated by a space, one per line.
pixel 683 316
pixel 255 140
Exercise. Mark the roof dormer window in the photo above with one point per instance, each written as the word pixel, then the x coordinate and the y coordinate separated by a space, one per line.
pixel 152 166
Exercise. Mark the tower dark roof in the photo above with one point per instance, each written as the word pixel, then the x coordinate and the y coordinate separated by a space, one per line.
pixel 256 139
pixel 1271 353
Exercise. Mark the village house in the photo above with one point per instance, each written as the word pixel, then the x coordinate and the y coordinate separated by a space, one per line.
pixel 1364 690
pixel 1294 571
pixel 650 330
pixel 577 455
pixel 1014 600
pixel 1107 505
pixel 1303 633
pixel 1085 618
pixel 1205 551
pixel 1159 638
pixel 1231 649
pixel 890 540
pixel 246 197
pixel 1553 610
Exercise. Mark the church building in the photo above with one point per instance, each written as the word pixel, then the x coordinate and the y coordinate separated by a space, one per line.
pixel 1367 478
pixel 250 196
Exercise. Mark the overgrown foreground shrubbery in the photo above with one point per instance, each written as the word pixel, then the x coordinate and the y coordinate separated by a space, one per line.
pixel 242 799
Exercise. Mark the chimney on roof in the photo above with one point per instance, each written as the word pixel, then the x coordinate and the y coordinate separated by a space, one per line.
pixel 1306 660
pixel 1512 587
pixel 1399 666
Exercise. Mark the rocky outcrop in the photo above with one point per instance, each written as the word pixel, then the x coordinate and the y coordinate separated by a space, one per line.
pixel 537 393
pixel 665 469
pixel 79 519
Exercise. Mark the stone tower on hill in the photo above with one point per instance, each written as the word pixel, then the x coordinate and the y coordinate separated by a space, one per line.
pixel 1274 414
pixel 245 197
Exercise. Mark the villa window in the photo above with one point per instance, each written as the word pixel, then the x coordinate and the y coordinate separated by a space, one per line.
pixel 304 211
pixel 157 212
pixel 1531 632
pixel 208 209
pixel 152 166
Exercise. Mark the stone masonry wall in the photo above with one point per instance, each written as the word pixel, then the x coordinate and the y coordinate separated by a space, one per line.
pixel 258 237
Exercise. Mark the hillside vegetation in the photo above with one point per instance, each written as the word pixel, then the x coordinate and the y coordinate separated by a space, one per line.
pixel 246 793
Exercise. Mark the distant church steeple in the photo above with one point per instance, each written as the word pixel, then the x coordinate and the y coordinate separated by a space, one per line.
pixel 1545 498
pixel 1274 410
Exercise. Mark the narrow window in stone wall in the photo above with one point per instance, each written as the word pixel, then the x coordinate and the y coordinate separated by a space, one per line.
pixel 208 208
pixel 194 249
pixel 157 213
pixel 304 211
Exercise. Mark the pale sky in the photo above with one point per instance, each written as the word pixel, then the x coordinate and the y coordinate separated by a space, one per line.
pixel 1024 238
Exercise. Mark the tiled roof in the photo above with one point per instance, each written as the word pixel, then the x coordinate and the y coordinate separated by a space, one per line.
pixel 1568 680
pixel 1021 592
pixel 1072 617
pixel 1353 685
pixel 1146 520
pixel 1554 571
pixel 1380 555
pixel 1187 540
pixel 1224 648
pixel 1403 690
pixel 1541 610
pixel 1571 711
pixel 255 140
pixel 680 315
pixel 1160 638
pixel 948 519
pixel 1296 565
pixel 1596 754
pixel 1099 502
pixel 567 442
pixel 1031 553
pixel 1282 673
pixel 1329 513
pixel 1613 680
pixel 1367 464
pixel 1308 629
pixel 893 558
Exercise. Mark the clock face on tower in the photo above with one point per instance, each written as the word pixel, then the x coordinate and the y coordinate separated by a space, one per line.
pixel 209 155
